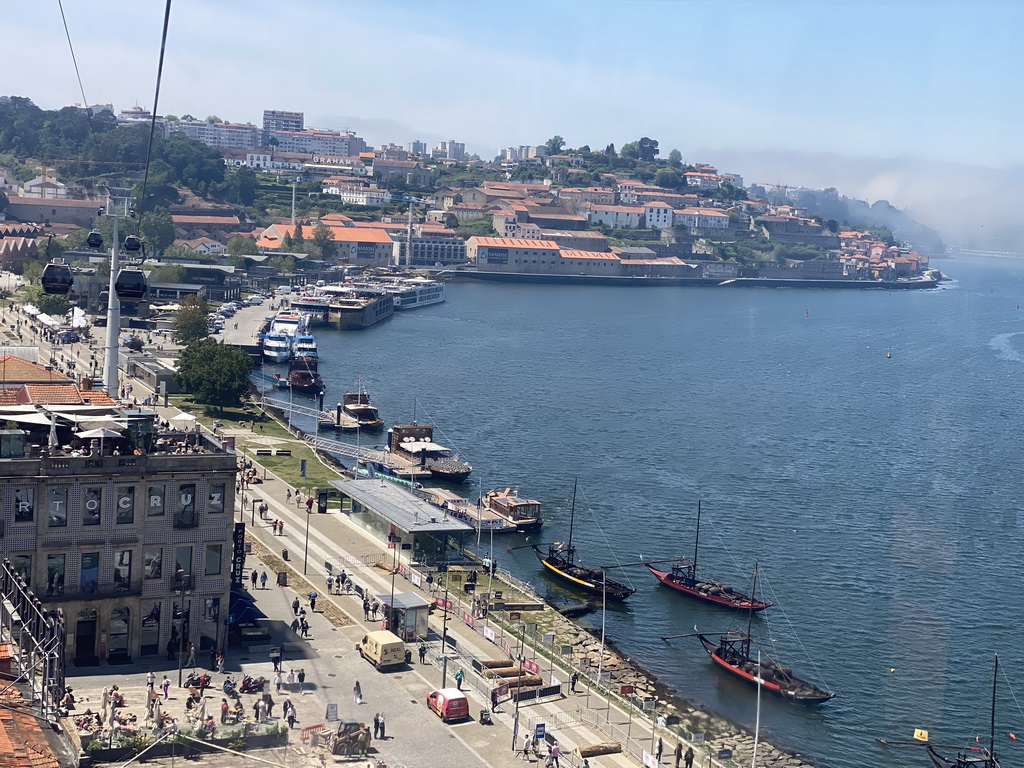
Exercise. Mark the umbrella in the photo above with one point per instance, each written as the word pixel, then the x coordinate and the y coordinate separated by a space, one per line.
pixel 100 433
pixel 182 418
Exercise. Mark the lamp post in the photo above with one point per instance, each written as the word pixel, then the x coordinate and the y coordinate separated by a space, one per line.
pixel 305 549
pixel 289 404
pixel 519 680
pixel 316 418
pixel 395 542
pixel 444 631
pixel 252 523
pixel 184 587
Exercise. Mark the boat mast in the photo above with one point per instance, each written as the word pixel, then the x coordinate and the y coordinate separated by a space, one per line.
pixel 572 519
pixel 992 731
pixel 696 541
pixel 750 617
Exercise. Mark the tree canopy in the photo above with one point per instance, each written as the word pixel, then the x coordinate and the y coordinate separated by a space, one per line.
pixel 190 324
pixel 643 149
pixel 215 373
pixel 554 145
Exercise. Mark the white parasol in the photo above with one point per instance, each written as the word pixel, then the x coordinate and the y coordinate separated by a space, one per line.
pixel 101 434
pixel 182 418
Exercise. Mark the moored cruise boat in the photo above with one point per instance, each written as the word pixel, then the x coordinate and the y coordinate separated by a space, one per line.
pixel 414 292
pixel 277 347
pixel 415 442
pixel 524 514
pixel 357 406
pixel 304 345
pixel 353 309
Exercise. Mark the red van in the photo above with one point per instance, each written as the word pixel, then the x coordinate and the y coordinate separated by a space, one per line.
pixel 449 704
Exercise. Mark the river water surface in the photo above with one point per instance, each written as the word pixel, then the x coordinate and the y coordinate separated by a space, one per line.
pixel 881 496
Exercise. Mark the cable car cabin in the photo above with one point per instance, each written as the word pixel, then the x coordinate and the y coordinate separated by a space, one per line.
pixel 57 278
pixel 132 244
pixel 94 240
pixel 130 285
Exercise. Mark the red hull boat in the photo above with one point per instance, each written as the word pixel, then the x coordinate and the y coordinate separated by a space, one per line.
pixel 680 578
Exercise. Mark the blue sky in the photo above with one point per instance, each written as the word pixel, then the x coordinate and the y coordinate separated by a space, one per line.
pixel 929 81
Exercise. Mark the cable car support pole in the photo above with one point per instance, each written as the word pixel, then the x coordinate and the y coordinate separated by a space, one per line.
pixel 113 318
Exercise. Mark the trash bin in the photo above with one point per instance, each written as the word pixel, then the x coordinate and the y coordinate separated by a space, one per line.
pixel 485 717
pixel 282 579
pixel 284 554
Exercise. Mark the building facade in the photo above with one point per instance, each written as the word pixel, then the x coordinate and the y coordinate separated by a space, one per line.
pixel 135 549
pixel 217 135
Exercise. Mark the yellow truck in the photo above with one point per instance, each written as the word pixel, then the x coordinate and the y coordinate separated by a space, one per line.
pixel 383 649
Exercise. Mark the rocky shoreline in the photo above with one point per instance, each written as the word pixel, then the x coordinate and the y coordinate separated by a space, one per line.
pixel 682 718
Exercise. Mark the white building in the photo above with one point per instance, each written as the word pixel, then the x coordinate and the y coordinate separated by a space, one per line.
pixel 617 216
pixel 658 215
pixel 355 194
pixel 45 188
pixel 218 135
pixel 319 142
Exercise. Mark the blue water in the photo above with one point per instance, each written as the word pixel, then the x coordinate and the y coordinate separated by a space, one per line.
pixel 881 496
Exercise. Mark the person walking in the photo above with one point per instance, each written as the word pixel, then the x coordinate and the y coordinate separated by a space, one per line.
pixel 423 653
pixel 150 679
pixel 291 679
pixel 289 715
pixel 376 725
pixel 270 704
pixel 288 494
pixel 383 727
pixel 366 609
pixel 357 692
pixel 263 580
pixel 224 711
pixel 312 602
pixel 255 576
pixel 277 681
pixel 688 757
pixel 213 659
pixel 304 628
pixel 679 753
pixel 555 751
pixel 659 749
pixel 191 660
pixel 295 606
pixel 527 743
pixel 302 681
pixel 572 682
pixel 459 677
pixel 166 685
pixel 280 527
pixel 220 662
pixel 256 710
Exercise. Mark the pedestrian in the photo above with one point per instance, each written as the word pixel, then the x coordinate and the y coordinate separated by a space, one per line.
pixel 376 725
pixel 366 609
pixel 220 662
pixel 256 710
pixel 383 727
pixel 213 659
pixel 263 580
pixel 330 583
pixel 288 494
pixel 191 662
pixel 295 606
pixel 255 576
pixel 659 749
pixel 527 743
pixel 309 505
pixel 270 704
pixel 150 679
pixel 459 677
pixel 224 711
pixel 277 681
pixel 171 645
pixel 337 584
pixel 304 628
pixel 357 692
pixel 280 527
pixel 586 763
pixel 375 608
pixel 679 753
pixel 572 682
pixel 688 757
pixel 290 716
pixel 312 602
pixel 302 614
pixel 302 681
pixel 166 685
pixel 295 625
pixel 555 751
pixel 423 653
pixel 291 679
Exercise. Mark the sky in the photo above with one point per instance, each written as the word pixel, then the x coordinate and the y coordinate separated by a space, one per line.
pixel 915 89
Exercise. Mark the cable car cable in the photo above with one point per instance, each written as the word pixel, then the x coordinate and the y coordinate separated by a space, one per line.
pixel 74 60
pixel 152 123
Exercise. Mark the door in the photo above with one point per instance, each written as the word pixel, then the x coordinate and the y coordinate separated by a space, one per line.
pixel 85 635
pixel 120 639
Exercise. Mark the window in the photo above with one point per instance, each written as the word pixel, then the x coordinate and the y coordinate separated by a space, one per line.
pixel 214 553
pixel 24 505
pixel 58 506
pixel 155 501
pixel 182 562
pixel 216 502
pixel 152 563
pixel 22 565
pixel 89 575
pixel 92 504
pixel 54 575
pixel 185 509
pixel 122 570
pixel 126 505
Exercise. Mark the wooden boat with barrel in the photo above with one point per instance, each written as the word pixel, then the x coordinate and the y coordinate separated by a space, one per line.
pixel 415 442
pixel 732 652
pixel 560 560
pixel 303 375
pixel 683 577
pixel 524 514
pixel 357 406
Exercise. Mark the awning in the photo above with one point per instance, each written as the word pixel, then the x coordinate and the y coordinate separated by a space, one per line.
pixel 25 418
pixel 399 507
pixel 421 447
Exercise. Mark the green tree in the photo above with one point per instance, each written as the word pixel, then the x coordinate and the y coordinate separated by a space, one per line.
pixel 216 374
pixel 284 265
pixel 31 270
pixel 668 178
pixel 554 145
pixel 190 324
pixel 52 304
pixel 675 158
pixel 171 118
pixel 213 119
pixel 157 230
pixel 242 246
pixel 610 151
pixel 323 238
pixel 298 238
pixel 169 273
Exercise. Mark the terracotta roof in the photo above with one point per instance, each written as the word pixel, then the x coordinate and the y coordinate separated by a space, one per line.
pixel 513 242
pixel 15 370
pixel 588 255
pixel 22 742
pixel 96 397
pixel 56 203
pixel 183 219
pixel 618 209
pixel 52 394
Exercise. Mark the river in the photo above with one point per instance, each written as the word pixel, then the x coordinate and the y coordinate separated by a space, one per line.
pixel 880 495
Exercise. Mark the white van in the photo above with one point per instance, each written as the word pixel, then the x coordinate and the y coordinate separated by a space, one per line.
pixel 283 290
pixel 382 649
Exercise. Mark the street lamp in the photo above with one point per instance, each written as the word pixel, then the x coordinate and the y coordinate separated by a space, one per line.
pixel 316 418
pixel 395 541
pixel 444 631
pixel 305 550
pixel 252 523
pixel 184 588
pixel 519 680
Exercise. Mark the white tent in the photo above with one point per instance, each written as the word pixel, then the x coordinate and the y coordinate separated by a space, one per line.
pixel 101 434
pixel 182 419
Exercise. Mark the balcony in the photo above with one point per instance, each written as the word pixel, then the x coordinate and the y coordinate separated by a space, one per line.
pixel 92 592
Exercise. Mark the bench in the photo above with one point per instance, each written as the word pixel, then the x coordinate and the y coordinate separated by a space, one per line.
pixel 284 451
pixel 264 452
